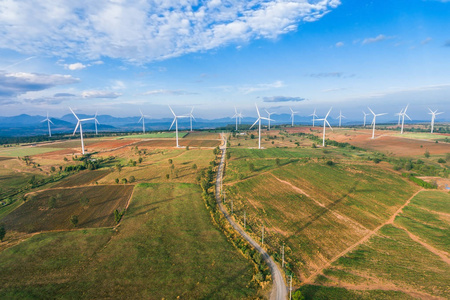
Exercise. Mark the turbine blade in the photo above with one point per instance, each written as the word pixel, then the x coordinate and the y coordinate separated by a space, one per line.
pixel 51 121
pixel 173 122
pixel 172 111
pixel 371 111
pixel 328 112
pixel 76 127
pixel 257 110
pixel 408 117
pixel 254 123
pixel 74 114
pixel 328 124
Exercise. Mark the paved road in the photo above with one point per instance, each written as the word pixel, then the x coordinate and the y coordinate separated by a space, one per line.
pixel 279 290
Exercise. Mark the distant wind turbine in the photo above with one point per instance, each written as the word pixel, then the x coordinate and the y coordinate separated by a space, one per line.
pixel 48 123
pixel 399 116
pixel 175 120
pixel 325 123
pixel 143 120
pixel 259 120
pixel 433 117
pixel 365 115
pixel 269 113
pixel 403 117
pixel 340 117
pixel 374 121
pixel 191 116
pixel 292 116
pixel 236 116
pixel 96 122
pixel 79 124
pixel 314 116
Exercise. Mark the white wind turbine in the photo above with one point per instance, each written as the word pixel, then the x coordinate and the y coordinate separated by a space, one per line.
pixel 365 115
pixel 374 121
pixel 340 117
pixel 143 120
pixel 48 123
pixel 399 116
pixel 269 113
pixel 79 123
pixel 191 116
pixel 403 117
pixel 433 117
pixel 175 120
pixel 314 116
pixel 236 116
pixel 259 120
pixel 292 116
pixel 96 122
pixel 325 123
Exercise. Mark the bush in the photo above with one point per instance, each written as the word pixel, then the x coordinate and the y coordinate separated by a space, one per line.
pixel 74 220
pixel 441 161
pixel 251 167
pixel 298 295
pixel 376 160
pixel 427 154
pixel 194 167
pixel 277 162
pixel 132 179
pixel 117 180
pixel 118 215
pixel 330 163
pixel 170 161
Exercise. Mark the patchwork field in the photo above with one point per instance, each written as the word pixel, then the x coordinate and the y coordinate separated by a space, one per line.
pixel 153 135
pixel 82 178
pixel 181 142
pixel 165 247
pixel 52 209
pixel 26 151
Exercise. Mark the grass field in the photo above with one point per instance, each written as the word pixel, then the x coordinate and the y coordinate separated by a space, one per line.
pixel 26 151
pixel 155 135
pixel 165 247
pixel 38 215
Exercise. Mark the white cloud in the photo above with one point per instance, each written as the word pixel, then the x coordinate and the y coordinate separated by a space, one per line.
pixel 339 44
pixel 100 94
pixel 379 38
pixel 261 87
pixel 142 31
pixel 75 66
pixel 426 41
pixel 14 84
pixel 167 92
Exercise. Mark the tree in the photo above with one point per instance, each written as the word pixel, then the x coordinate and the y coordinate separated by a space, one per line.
pixel 74 220
pixel 52 169
pixel 251 167
pixel 119 167
pixel 2 232
pixel 427 154
pixel 117 180
pixel 140 160
pixel 298 295
pixel 132 179
pixel 170 161
pixel 167 176
pixel 277 162
pixel 52 202
pixel 194 167
pixel 124 180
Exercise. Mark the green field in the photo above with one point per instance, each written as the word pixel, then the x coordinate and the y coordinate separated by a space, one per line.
pixel 26 151
pixel 165 247
pixel 423 136
pixel 156 135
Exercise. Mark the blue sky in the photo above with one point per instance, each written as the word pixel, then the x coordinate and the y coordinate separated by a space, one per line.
pixel 117 57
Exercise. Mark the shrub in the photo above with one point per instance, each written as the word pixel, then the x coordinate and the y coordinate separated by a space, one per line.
pixel 330 163
pixel 376 160
pixel 427 154
pixel 441 161
pixel 194 166
pixel 251 167
pixel 277 162
pixel 132 179
pixel 170 161
pixel 74 220
pixel 140 159
pixel 124 180
pixel 117 180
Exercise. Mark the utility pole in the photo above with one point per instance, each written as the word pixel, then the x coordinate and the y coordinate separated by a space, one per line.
pixel 282 257
pixel 290 289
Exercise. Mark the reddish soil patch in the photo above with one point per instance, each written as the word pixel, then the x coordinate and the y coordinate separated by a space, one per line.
pixel 83 178
pixel 182 143
pixel 57 154
pixel 35 215
pixel 110 144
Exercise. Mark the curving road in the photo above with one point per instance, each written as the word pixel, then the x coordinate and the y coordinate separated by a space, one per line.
pixel 279 290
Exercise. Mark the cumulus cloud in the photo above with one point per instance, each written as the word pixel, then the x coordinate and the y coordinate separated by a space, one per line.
pixel 379 38
pixel 15 84
pixel 262 87
pixel 75 66
pixel 283 99
pixel 143 31
pixel 339 44
pixel 100 94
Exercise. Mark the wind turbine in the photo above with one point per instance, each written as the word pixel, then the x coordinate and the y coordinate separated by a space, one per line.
pixel 292 116
pixel 191 116
pixel 399 116
pixel 365 115
pixel 325 122
pixel 269 113
pixel 96 122
pixel 259 120
pixel 143 120
pixel 79 123
pixel 340 117
pixel 374 121
pixel 314 116
pixel 236 116
pixel 175 120
pixel 403 117
pixel 433 117
pixel 48 123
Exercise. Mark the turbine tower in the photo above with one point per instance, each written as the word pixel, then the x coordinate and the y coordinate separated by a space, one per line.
pixel 325 123
pixel 259 120
pixel 374 121
pixel 403 117
pixel 96 122
pixel 292 116
pixel 175 120
pixel 236 116
pixel 340 117
pixel 143 120
pixel 365 115
pixel 48 123
pixel 314 116
pixel 191 116
pixel 399 116
pixel 433 117
pixel 269 113
pixel 79 123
